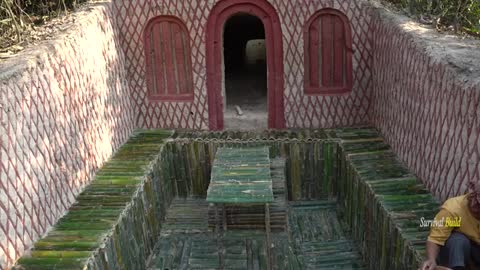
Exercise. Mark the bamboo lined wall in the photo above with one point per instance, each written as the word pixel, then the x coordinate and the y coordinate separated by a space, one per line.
pixel 378 198
pixel 138 229
pixel 382 203
pixel 311 159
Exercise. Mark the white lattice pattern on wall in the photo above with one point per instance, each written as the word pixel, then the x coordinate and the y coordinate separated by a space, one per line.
pixel 429 116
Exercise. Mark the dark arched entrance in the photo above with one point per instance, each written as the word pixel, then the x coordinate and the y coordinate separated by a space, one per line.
pixel 221 13
pixel 245 73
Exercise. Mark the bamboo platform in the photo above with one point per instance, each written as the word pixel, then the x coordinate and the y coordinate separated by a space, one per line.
pixel 252 217
pixel 241 176
pixel 241 181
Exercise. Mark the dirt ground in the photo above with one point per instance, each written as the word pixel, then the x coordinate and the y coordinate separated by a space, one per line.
pixel 246 88
pixel 461 53
pixel 47 28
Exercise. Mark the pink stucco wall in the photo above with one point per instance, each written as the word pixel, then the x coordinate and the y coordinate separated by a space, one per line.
pixel 300 110
pixel 64 108
pixel 426 104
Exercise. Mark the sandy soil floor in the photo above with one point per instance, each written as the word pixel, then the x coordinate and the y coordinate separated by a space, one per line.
pixel 248 90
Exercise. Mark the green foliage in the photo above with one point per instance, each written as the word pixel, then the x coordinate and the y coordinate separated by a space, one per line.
pixel 47 7
pixel 462 15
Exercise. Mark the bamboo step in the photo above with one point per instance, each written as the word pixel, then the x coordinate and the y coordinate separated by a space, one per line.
pixel 186 215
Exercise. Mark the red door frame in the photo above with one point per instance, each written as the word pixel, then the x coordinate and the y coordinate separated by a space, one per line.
pixel 219 15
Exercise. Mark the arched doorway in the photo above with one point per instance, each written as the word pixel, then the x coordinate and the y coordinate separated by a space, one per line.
pixel 245 73
pixel 238 12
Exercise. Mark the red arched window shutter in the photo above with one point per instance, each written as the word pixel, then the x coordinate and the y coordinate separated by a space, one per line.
pixel 168 60
pixel 328 53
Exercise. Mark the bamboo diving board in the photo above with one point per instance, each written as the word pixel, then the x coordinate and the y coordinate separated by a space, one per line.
pixel 241 176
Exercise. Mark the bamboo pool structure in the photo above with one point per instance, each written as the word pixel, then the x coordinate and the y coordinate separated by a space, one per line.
pixel 347 202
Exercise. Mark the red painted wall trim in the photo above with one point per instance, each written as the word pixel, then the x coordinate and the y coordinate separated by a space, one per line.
pixel 184 95
pixel 318 90
pixel 221 12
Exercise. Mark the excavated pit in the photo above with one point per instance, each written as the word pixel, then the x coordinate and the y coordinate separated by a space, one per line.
pixel 341 200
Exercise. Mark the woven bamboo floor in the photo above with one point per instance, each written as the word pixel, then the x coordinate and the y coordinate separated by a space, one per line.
pixel 314 240
pixel 318 238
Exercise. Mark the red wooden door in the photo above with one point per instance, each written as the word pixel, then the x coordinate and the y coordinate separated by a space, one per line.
pixel 328 53
pixel 168 60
